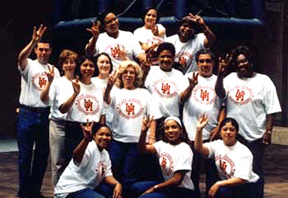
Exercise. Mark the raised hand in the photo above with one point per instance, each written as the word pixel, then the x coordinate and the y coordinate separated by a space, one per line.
pixel 155 30
pixel 87 130
pixel 95 29
pixel 197 19
pixel 37 34
pixel 50 74
pixel 224 63
pixel 202 121
pixel 76 85
pixel 194 80
pixel 146 123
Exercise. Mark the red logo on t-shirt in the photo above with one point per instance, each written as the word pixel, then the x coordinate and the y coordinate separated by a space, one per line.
pixel 240 95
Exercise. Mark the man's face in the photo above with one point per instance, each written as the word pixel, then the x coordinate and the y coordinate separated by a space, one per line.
pixel 43 52
pixel 205 65
pixel 165 59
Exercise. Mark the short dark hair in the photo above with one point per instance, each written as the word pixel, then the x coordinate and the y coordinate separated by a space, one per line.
pixel 166 46
pixel 44 40
pixel 79 63
pixel 242 49
pixel 98 126
pixel 227 120
pixel 205 51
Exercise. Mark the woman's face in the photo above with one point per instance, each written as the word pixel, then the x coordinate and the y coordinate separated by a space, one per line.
pixel 243 66
pixel 104 65
pixel 150 18
pixel 69 65
pixel 172 132
pixel 102 137
pixel 87 69
pixel 111 23
pixel 128 77
pixel 228 134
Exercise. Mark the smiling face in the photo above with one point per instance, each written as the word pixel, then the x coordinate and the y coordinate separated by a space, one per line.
pixel 87 69
pixel 69 65
pixel 228 134
pixel 244 69
pixel 150 18
pixel 172 132
pixel 102 137
pixel 104 66
pixel 111 23
pixel 128 77
pixel 185 31
pixel 166 59
pixel 205 65
pixel 43 52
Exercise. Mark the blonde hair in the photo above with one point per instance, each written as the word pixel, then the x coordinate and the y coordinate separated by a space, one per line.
pixel 123 67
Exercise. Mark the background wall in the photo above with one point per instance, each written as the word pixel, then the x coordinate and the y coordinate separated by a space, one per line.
pixel 17 18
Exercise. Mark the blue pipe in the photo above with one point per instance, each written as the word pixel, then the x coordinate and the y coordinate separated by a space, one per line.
pixel 164 20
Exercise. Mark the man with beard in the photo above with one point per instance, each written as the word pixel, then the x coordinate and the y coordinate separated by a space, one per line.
pixel 252 100
pixel 188 42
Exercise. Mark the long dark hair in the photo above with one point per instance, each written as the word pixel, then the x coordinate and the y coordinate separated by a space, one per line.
pixel 81 60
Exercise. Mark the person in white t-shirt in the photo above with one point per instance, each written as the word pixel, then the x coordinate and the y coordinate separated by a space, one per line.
pixel 84 100
pixel 151 34
pixel 165 84
pixel 251 99
pixel 103 70
pixel 89 166
pixel 117 43
pixel 175 159
pixel 51 94
pixel 188 42
pixel 233 160
pixel 130 103
pixel 33 123
pixel 198 98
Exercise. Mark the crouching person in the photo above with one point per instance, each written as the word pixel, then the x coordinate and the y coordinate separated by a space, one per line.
pixel 232 158
pixel 89 166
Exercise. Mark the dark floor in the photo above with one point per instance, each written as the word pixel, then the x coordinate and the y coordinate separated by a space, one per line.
pixel 275 167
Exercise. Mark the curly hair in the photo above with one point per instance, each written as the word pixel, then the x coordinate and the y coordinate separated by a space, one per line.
pixel 123 67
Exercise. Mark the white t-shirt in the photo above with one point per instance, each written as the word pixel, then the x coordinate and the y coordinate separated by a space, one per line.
pixel 126 41
pixel 185 52
pixel 203 99
pixel 249 101
pixel 174 158
pixel 109 112
pixel 165 88
pixel 33 81
pixel 232 161
pixel 130 106
pixel 94 167
pixel 146 36
pixel 87 105
pixel 59 86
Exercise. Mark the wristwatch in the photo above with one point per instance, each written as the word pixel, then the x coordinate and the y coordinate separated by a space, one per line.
pixel 155 187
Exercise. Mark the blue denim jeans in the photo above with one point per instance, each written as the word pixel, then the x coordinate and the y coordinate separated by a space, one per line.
pixel 32 128
pixel 85 193
pixel 172 192
pixel 125 163
pixel 242 191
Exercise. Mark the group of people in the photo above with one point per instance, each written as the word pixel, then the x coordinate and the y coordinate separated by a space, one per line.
pixel 142 114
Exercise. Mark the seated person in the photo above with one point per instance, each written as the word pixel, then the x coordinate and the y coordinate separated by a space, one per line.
pixel 175 159
pixel 89 166
pixel 232 158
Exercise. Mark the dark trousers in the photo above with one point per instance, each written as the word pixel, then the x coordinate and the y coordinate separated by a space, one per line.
pixel 257 149
pixel 32 129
